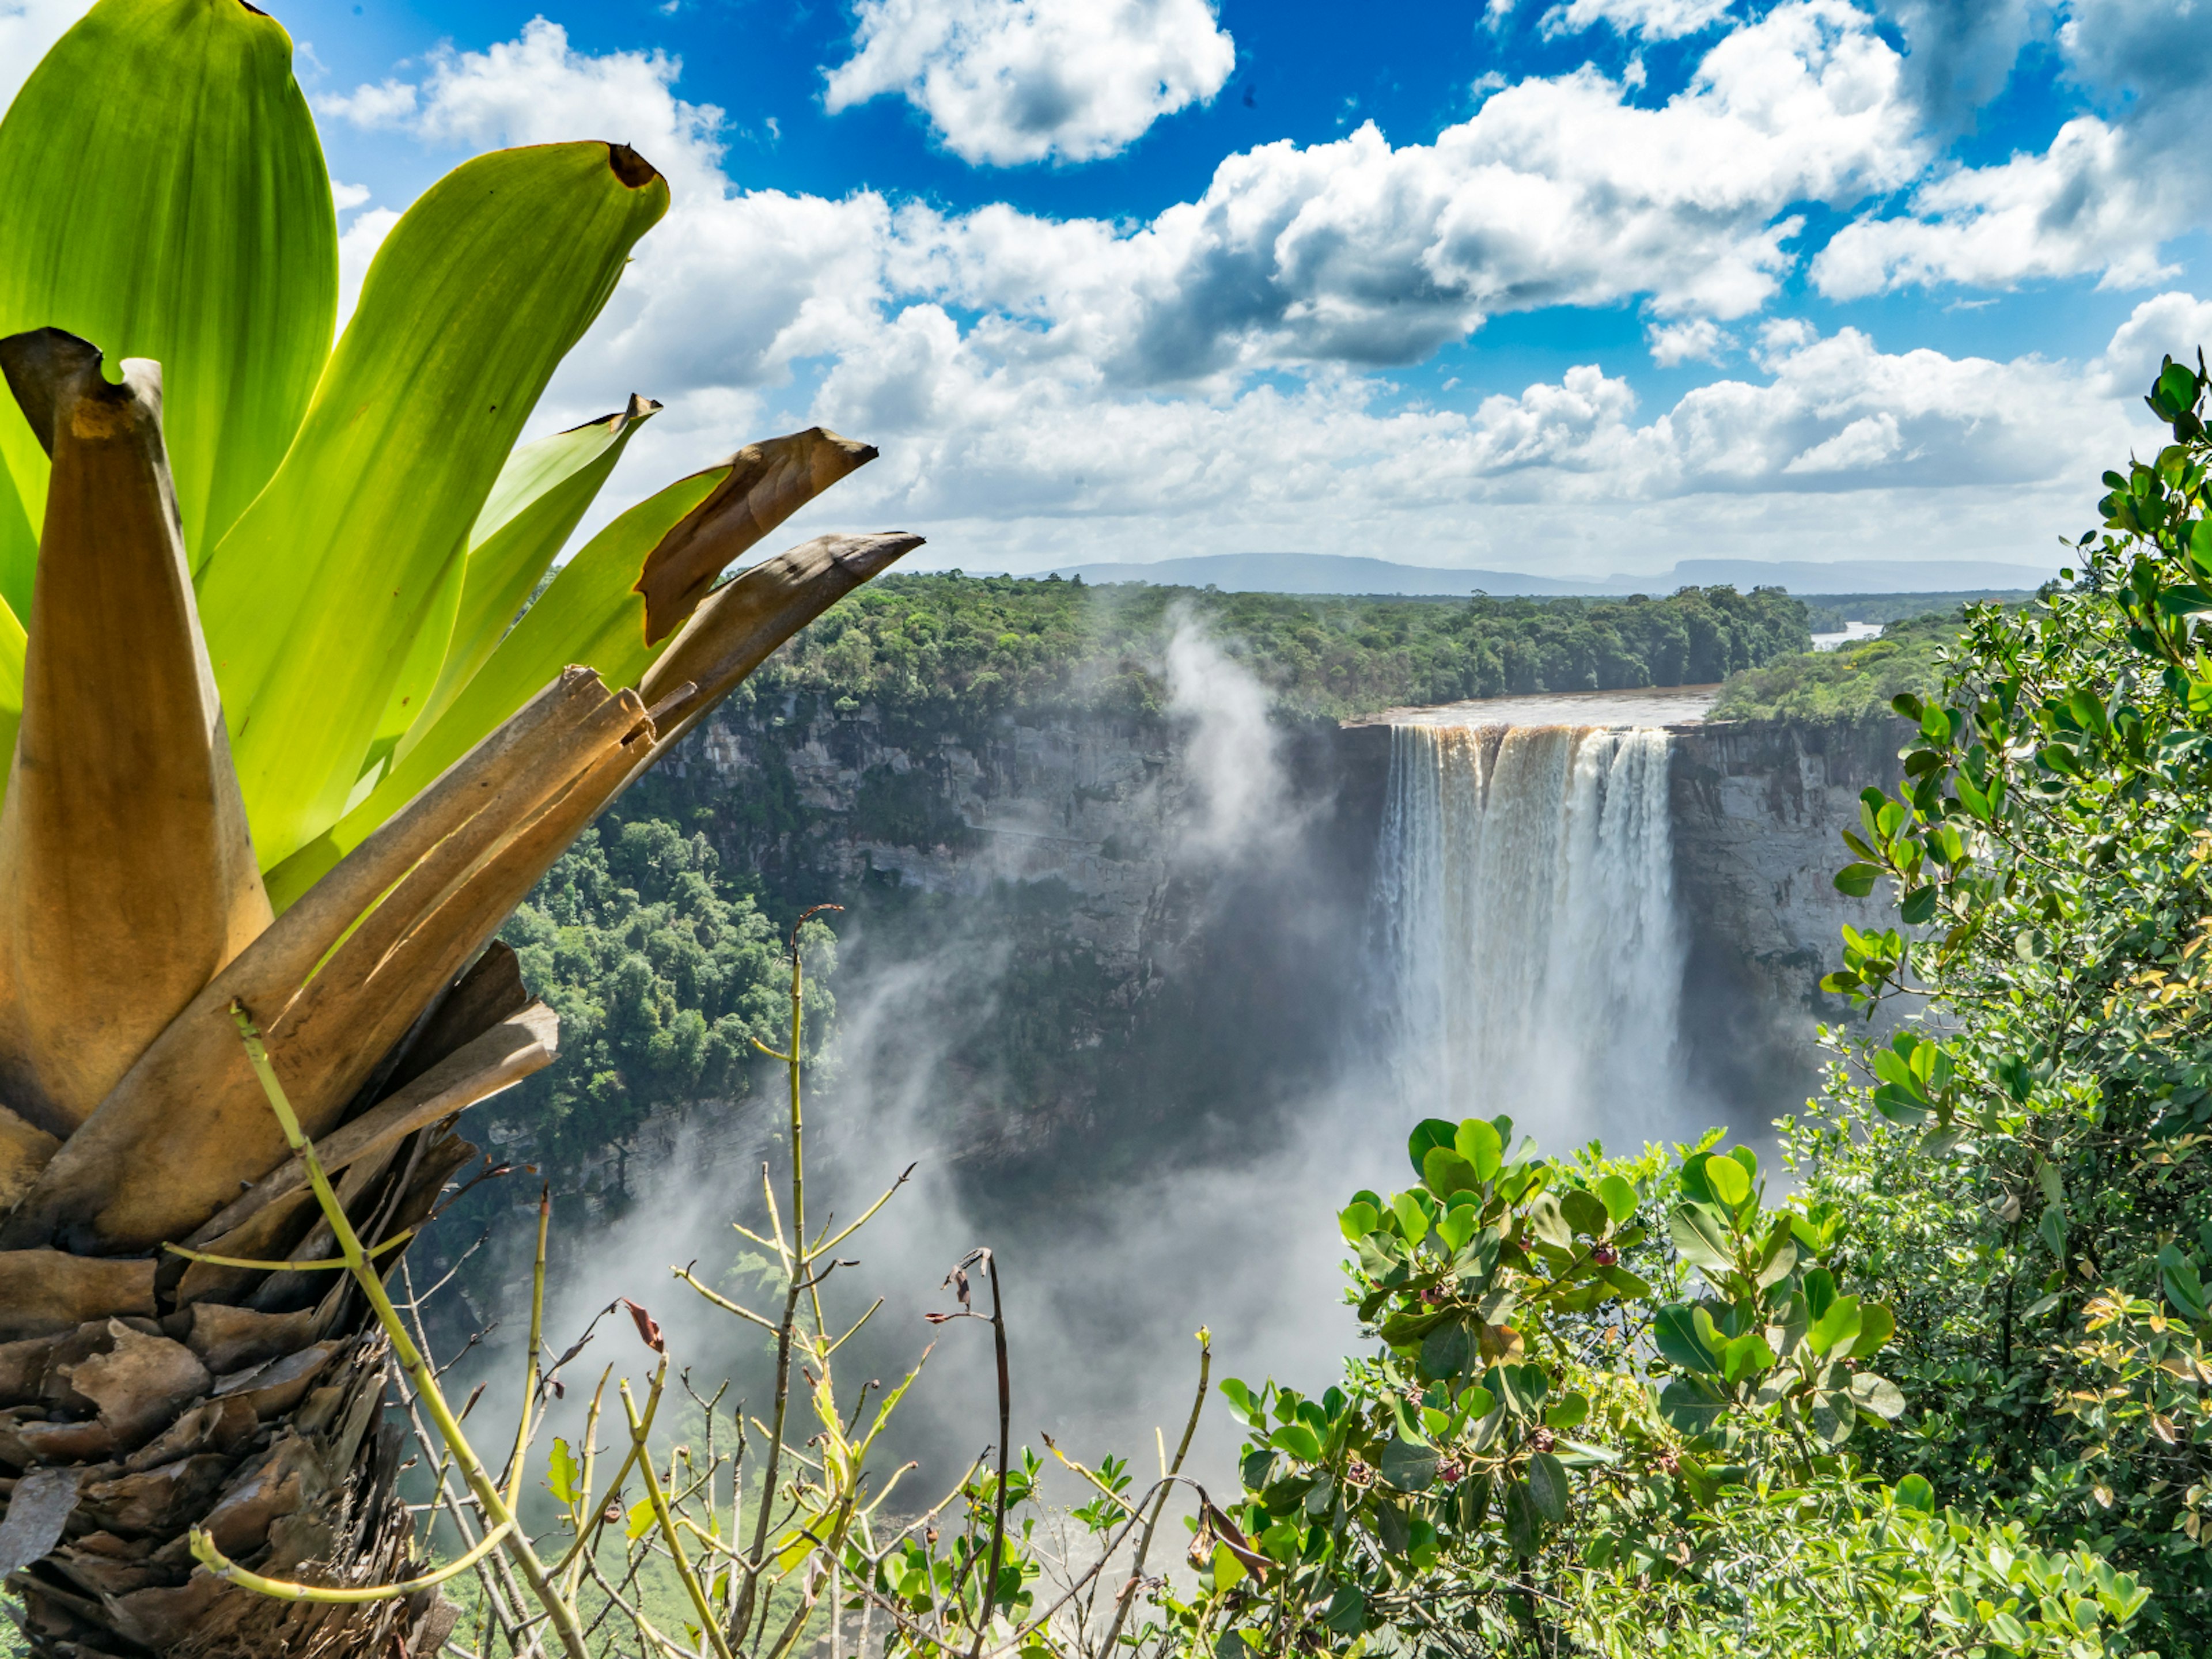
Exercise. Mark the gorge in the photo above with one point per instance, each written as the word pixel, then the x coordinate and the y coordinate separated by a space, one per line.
pixel 1131 987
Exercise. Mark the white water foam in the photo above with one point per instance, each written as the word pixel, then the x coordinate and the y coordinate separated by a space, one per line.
pixel 1525 909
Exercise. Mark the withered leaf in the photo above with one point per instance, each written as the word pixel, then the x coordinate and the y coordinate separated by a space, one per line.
pixel 37 1508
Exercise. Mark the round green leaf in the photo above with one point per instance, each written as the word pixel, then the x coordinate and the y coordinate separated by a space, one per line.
pixel 1408 1465
pixel 1702 1236
pixel 1619 1198
pixel 1481 1144
pixel 1878 1394
pixel 1429 1134
pixel 1730 1182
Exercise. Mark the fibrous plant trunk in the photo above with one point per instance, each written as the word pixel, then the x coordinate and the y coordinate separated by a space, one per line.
pixel 174 1352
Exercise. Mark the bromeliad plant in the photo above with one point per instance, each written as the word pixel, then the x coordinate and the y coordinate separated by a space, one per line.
pixel 769 1525
pixel 281 745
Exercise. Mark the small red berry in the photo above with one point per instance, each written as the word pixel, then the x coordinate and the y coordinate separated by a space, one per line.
pixel 1605 1256
pixel 1448 1471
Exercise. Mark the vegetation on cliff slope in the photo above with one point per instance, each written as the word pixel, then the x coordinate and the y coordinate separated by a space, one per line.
pixel 662 974
pixel 1852 681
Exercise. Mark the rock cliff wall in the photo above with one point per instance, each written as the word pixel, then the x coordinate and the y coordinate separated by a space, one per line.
pixel 1757 808
pixel 1093 964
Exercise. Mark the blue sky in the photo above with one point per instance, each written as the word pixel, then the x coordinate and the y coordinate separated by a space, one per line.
pixel 1574 287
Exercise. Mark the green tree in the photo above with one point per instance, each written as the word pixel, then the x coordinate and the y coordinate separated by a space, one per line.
pixel 663 979
pixel 2034 1143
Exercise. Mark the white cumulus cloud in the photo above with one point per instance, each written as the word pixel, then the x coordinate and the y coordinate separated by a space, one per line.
pixel 2115 183
pixel 1867 441
pixel 1699 340
pixel 2087 204
pixel 1202 378
pixel 1653 20
pixel 537 89
pixel 1007 82
pixel 2172 324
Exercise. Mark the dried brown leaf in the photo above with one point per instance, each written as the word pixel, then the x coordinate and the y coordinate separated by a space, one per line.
pixel 736 628
pixel 48 1293
pixel 767 482
pixel 121 784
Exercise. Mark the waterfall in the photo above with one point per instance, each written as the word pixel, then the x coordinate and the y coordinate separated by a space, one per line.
pixel 1526 917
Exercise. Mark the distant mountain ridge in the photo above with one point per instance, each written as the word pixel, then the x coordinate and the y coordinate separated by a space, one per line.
pixel 1337 572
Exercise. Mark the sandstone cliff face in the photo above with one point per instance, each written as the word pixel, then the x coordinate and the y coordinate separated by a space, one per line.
pixel 1757 806
pixel 1088 937
pixel 1091 804
pixel 1145 979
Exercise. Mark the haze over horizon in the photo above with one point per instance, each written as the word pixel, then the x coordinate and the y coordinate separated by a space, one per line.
pixel 1575 290
pixel 1345 573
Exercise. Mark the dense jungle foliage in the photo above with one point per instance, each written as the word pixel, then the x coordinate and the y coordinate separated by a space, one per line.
pixel 1853 681
pixel 949 650
pixel 663 977
pixel 1828 613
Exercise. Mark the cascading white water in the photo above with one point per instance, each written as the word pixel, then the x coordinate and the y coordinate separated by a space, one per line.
pixel 1526 912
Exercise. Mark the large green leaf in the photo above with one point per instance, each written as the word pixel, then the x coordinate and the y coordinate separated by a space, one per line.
pixel 542 492
pixel 162 193
pixel 587 615
pixel 315 599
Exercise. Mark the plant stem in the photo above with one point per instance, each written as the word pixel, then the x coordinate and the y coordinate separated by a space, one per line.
pixel 1159 1504
pixel 798 1260
pixel 990 1585
pixel 536 1338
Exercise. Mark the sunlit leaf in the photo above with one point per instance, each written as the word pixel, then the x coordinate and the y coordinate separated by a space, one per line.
pixel 1837 1328
pixel 563 1472
pixel 1481 1144
pixel 312 601
pixel 1619 1198
pixel 162 163
pixel 1730 1183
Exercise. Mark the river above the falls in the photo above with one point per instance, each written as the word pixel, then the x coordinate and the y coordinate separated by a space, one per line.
pixel 1653 705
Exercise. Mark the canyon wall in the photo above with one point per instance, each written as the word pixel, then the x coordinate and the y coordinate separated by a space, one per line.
pixel 1062 971
pixel 1109 973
